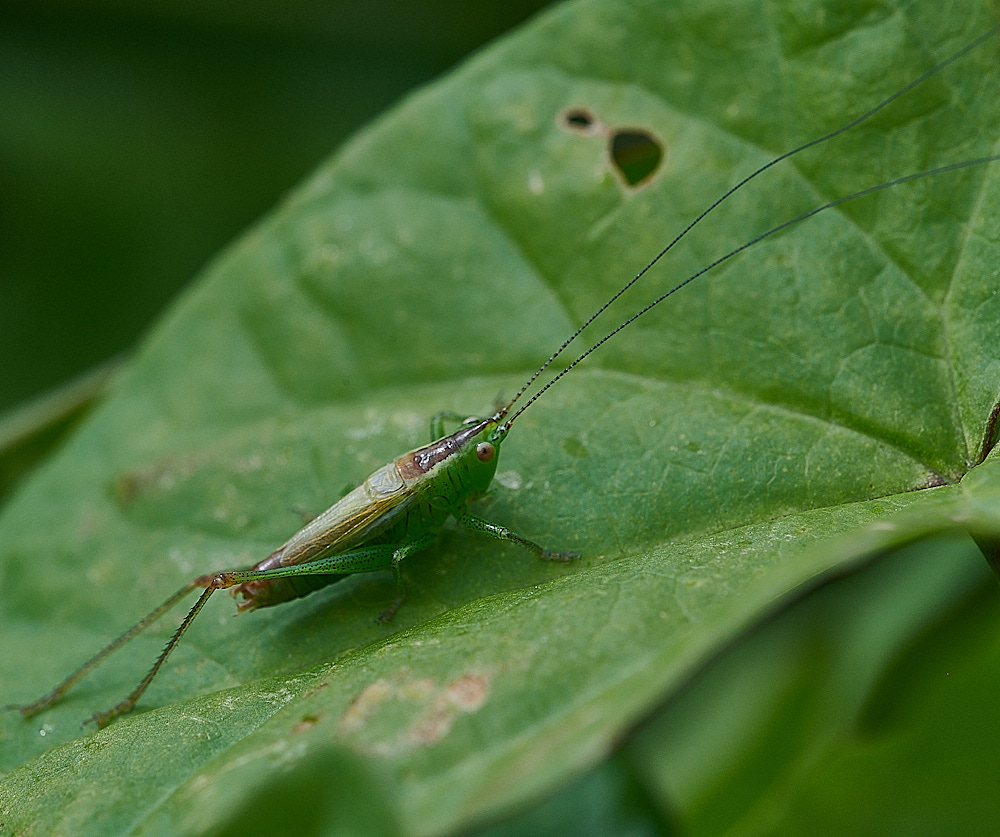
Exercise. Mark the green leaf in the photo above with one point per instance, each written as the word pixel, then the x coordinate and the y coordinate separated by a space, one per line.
pixel 813 403
pixel 859 710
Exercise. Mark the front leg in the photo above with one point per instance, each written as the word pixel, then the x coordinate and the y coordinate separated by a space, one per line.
pixel 477 524
pixel 438 419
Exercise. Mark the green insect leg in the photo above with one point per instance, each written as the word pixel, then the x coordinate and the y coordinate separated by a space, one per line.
pixel 477 524
pixel 361 560
pixel 438 420
pixel 402 552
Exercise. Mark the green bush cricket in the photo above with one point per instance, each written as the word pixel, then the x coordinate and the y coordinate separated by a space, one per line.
pixel 400 508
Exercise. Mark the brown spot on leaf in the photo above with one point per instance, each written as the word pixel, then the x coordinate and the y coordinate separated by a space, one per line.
pixel 469 692
pixel 306 723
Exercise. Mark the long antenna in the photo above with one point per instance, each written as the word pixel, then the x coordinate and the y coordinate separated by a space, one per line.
pixel 797 219
pixel 819 140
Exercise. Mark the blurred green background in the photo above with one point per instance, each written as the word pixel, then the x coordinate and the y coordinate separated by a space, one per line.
pixel 138 137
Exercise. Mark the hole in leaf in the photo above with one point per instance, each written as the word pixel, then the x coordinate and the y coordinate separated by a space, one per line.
pixel 579 119
pixel 636 154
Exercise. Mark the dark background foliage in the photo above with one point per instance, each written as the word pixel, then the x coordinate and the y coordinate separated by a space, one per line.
pixel 138 137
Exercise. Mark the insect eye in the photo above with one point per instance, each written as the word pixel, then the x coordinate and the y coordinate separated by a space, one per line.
pixel 485 451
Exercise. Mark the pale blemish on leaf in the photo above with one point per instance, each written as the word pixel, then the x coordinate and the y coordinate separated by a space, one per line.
pixel 511 480
pixel 465 695
pixel 363 706
pixel 432 707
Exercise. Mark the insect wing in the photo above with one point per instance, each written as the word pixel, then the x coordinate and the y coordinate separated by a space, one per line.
pixel 357 516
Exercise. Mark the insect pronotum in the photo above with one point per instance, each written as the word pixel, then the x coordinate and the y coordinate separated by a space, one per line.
pixel 400 508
